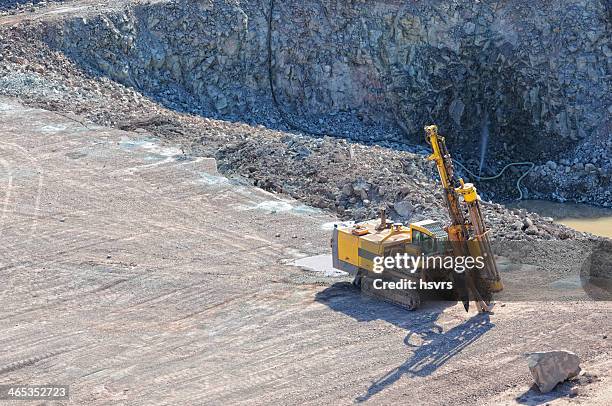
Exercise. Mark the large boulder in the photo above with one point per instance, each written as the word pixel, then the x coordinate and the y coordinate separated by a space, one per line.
pixel 551 367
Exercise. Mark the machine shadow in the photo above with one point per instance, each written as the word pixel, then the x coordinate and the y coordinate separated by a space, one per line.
pixel 431 345
pixel 345 298
pixel 533 396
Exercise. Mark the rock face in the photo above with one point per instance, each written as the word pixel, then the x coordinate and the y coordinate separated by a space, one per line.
pixel 534 75
pixel 550 368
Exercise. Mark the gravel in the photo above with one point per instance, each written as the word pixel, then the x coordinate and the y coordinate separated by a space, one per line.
pixel 12 7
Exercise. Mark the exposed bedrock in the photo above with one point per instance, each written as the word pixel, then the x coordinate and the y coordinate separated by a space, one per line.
pixel 531 78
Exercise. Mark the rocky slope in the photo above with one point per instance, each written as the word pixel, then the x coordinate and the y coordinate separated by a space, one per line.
pixel 507 81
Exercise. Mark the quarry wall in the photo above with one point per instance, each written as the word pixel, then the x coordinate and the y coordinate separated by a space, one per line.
pixel 532 77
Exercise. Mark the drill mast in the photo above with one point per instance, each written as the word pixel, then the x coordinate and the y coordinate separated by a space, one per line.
pixel 468 235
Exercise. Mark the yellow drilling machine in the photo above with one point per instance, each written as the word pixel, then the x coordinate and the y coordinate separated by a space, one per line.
pixel 359 248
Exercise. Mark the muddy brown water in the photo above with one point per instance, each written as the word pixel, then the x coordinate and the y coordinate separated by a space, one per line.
pixel 581 217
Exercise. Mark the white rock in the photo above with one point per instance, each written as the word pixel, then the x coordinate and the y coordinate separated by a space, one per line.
pixel 551 367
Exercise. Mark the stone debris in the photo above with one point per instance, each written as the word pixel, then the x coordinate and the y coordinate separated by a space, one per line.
pixel 552 367
pixel 12 7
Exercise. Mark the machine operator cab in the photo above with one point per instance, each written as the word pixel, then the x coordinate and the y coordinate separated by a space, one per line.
pixel 430 236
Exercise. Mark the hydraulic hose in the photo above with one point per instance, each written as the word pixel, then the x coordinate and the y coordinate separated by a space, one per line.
pixel 518 182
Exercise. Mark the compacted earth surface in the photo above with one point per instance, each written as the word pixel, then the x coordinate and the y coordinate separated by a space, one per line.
pixel 147 245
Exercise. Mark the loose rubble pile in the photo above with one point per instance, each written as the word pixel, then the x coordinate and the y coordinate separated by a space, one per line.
pixel 356 181
pixel 345 176
pixel 350 179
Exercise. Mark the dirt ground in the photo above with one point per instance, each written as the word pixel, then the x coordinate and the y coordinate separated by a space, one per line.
pixel 138 275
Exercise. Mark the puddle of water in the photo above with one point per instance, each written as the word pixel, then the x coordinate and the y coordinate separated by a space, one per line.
pixel 330 226
pixel 130 143
pixel 279 206
pixel 158 155
pixel 274 206
pixel 75 155
pixel 601 226
pixel 149 145
pixel 581 217
pixel 209 179
pixel 52 129
pixel 318 263
pixel 8 173
pixel 304 209
pixel 6 106
pixel 572 282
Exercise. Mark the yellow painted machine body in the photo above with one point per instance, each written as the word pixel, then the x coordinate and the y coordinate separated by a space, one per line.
pixel 355 247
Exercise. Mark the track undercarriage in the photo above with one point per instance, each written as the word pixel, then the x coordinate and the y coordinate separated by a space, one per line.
pixel 407 298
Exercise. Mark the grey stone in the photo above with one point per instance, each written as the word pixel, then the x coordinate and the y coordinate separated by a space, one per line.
pixel 303 151
pixel 552 367
pixel 347 190
pixel 405 190
pixel 361 189
pixel 469 28
pixel 404 208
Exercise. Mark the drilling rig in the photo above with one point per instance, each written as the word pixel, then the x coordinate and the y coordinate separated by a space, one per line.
pixel 357 248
